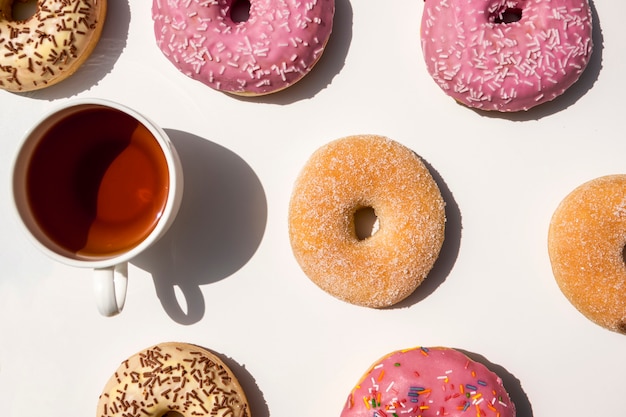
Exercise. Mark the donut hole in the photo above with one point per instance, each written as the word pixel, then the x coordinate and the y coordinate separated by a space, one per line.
pixel 172 414
pixel 508 15
pixel 365 222
pixel 240 11
pixel 23 9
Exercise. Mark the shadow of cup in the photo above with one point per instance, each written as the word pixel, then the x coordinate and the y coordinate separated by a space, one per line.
pixel 219 226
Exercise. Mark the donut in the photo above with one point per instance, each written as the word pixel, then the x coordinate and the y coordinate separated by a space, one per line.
pixel 424 382
pixel 51 45
pixel 586 241
pixel 506 55
pixel 173 377
pixel 339 182
pixel 276 45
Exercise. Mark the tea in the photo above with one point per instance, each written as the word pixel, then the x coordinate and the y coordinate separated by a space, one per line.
pixel 97 182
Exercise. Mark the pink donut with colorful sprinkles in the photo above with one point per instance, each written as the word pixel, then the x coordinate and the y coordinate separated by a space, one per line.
pixel 506 55
pixel 428 382
pixel 266 49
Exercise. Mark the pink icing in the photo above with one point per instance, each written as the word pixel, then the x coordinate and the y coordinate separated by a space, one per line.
pixel 506 55
pixel 425 382
pixel 274 47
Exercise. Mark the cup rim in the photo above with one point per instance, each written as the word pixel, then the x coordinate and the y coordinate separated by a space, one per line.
pixel 169 211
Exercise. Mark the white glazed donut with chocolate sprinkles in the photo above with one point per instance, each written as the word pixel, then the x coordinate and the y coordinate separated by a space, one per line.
pixel 173 377
pixel 49 46
pixel 506 55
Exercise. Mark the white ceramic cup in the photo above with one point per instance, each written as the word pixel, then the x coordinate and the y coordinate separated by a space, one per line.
pixel 114 191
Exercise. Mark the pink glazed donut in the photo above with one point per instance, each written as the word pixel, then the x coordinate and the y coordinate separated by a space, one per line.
pixel 271 48
pixel 428 382
pixel 506 55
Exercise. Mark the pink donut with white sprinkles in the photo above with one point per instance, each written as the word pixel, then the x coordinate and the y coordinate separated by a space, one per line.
pixel 428 382
pixel 506 55
pixel 261 51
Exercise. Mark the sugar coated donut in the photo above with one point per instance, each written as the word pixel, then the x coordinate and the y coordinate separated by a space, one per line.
pixel 586 241
pixel 173 377
pixel 506 55
pixel 274 47
pixel 340 181
pixel 49 46
pixel 428 382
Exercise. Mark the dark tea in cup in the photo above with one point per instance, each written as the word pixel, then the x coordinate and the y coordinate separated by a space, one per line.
pixel 97 182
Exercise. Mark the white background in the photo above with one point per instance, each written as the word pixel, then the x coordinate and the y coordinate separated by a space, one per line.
pixel 224 276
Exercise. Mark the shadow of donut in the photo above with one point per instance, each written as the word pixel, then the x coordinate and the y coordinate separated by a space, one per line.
pixel 449 251
pixel 219 226
pixel 101 61
pixel 329 65
pixel 511 384
pixel 571 95
pixel 254 395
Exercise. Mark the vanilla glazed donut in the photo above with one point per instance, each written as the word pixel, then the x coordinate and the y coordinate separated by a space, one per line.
pixel 586 241
pixel 366 172
pixel 276 46
pixel 51 45
pixel 173 377
pixel 428 382
pixel 506 55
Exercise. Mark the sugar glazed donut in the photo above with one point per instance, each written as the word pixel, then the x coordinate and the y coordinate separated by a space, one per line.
pixel 274 47
pixel 49 46
pixel 173 377
pixel 506 55
pixel 340 181
pixel 586 241
pixel 428 382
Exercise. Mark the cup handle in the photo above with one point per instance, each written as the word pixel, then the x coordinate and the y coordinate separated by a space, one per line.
pixel 110 287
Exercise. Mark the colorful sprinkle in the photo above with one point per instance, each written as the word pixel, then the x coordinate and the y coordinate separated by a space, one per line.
pixel 367 404
pixel 443 386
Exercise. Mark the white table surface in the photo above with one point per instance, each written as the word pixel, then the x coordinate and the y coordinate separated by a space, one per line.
pixel 224 276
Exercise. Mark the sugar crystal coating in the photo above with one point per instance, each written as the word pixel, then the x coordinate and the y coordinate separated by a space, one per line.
pixel 366 171
pixel 586 241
